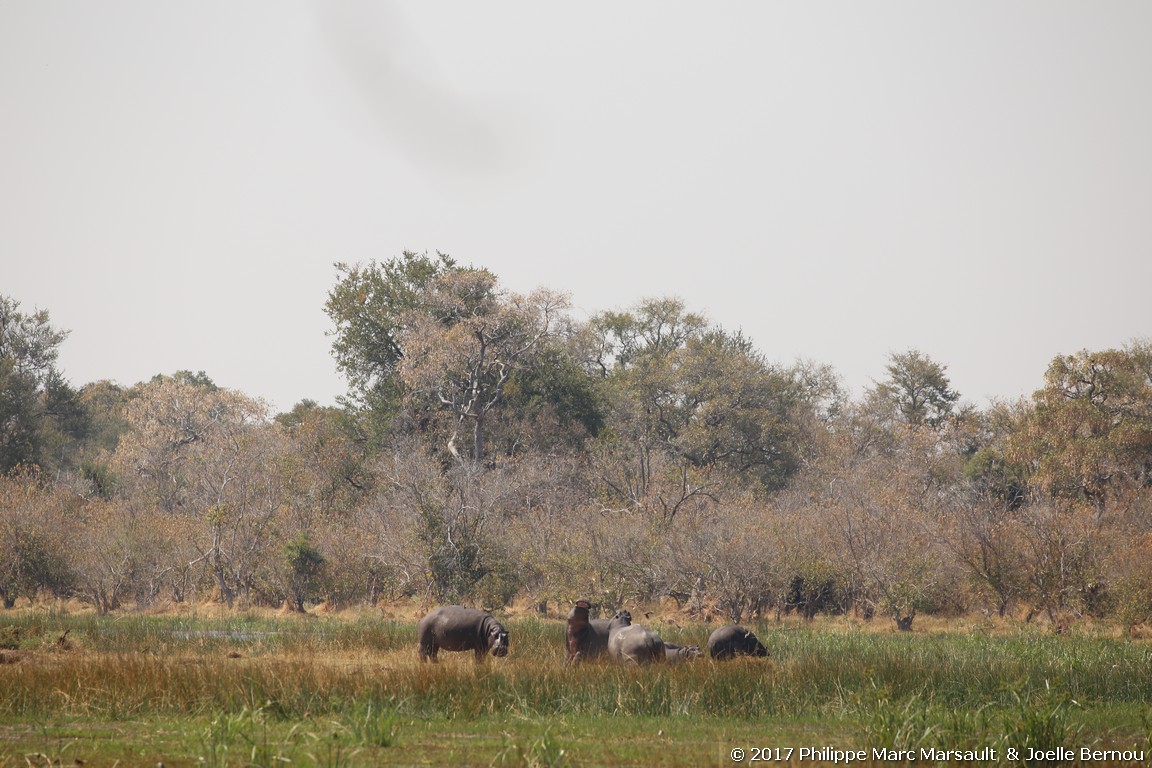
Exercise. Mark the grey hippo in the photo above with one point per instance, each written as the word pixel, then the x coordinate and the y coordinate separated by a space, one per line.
pixel 630 643
pixel 731 641
pixel 586 638
pixel 456 628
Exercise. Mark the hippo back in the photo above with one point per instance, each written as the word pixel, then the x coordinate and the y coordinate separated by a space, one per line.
pixel 635 644
pixel 456 628
pixel 732 640
pixel 594 643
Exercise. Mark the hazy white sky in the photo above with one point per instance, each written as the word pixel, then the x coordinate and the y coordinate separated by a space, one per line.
pixel 840 180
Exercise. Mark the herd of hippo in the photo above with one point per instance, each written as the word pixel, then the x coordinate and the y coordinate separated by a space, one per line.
pixel 456 628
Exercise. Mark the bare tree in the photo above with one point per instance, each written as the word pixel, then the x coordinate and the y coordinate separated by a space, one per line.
pixel 209 454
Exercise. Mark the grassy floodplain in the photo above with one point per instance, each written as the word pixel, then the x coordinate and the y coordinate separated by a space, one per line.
pixel 266 690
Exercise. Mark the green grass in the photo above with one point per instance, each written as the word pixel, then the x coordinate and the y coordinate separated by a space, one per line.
pixel 259 690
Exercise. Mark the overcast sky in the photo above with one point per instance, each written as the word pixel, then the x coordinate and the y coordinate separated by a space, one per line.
pixel 839 180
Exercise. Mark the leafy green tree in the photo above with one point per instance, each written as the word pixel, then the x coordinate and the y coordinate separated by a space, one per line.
pixel 436 344
pixel 550 404
pixel 676 388
pixel 823 390
pixel 189 378
pixel 103 404
pixel 737 410
pixel 980 528
pixel 323 469
pixel 652 330
pixel 65 424
pixel 39 413
pixel 994 477
pixel 917 390
pixel 370 307
pixel 304 567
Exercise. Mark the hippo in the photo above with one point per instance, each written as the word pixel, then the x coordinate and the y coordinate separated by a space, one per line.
pixel 676 653
pixel 456 628
pixel 630 643
pixel 586 638
pixel 731 641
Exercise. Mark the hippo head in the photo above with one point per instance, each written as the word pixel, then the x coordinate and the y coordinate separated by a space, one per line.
pixel 498 641
pixel 621 619
pixel 753 646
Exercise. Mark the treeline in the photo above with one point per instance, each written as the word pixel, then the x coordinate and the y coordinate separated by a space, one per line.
pixel 492 447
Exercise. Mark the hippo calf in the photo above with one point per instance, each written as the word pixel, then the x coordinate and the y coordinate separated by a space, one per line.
pixel 677 653
pixel 731 641
pixel 456 628
pixel 630 643
pixel 585 638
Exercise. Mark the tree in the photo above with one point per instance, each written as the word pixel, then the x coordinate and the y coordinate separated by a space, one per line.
pixel 439 523
pixel 738 551
pixel 322 469
pixel 917 390
pixel 982 537
pixel 38 409
pixel 465 342
pixel 322 463
pixel 653 329
pixel 210 455
pixel 435 345
pixel 127 550
pixel 699 395
pixel 1060 549
pixel 303 570
pixel 37 526
pixel 738 410
pixel 978 526
pixel 189 378
pixel 1130 578
pixel 1089 434
pixel 550 403
pixel 545 525
pixel 879 505
pixel 369 306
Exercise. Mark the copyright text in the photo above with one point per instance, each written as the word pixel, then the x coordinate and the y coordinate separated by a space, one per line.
pixel 836 756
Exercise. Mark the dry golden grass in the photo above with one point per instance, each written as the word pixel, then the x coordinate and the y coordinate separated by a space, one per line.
pixel 289 682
